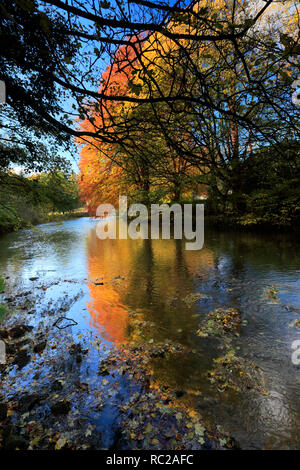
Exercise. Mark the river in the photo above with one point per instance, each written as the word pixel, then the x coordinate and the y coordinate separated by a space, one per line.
pixel 109 279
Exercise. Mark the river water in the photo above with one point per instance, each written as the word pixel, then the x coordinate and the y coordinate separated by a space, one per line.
pixel 111 278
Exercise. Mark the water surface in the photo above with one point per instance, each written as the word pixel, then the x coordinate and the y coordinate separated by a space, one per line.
pixel 152 278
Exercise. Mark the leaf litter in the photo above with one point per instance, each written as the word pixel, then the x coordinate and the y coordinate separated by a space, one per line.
pixel 79 392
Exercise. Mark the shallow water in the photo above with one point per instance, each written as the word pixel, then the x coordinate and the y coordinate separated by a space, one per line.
pixel 153 277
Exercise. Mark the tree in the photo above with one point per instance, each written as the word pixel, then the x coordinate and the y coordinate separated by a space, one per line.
pixel 234 94
pixel 202 84
pixel 58 191
pixel 56 51
pixel 102 170
pixel 33 44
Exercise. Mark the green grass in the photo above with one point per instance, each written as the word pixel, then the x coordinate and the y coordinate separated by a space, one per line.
pixel 3 311
pixel 3 308
pixel 2 284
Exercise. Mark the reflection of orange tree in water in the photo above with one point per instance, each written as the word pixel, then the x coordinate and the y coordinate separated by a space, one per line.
pixel 140 307
pixel 109 260
pixel 107 313
pixel 156 273
pixel 147 307
pixel 162 275
pixel 157 276
pixel 165 273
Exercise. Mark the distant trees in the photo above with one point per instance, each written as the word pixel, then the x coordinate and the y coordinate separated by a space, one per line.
pixel 58 192
pixel 29 199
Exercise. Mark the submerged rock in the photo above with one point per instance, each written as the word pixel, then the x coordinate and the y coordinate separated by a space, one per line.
pixel 78 358
pixel 39 347
pixel 61 407
pixel 57 385
pixel 3 334
pixel 103 370
pixel 179 393
pixel 77 349
pixel 3 411
pixel 18 331
pixel 27 402
pixel 21 359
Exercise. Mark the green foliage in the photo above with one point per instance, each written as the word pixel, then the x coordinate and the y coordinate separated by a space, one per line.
pixel 29 200
pixel 2 284
pixel 268 192
pixel 58 191
pixel 3 311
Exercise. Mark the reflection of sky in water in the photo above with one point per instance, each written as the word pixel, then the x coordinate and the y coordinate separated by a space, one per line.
pixel 153 278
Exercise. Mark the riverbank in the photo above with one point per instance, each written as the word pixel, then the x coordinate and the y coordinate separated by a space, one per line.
pixel 60 216
pixel 65 392
pixel 218 222
pixel 233 224
pixel 13 225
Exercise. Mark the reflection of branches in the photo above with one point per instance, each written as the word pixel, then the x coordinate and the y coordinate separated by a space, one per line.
pixel 61 319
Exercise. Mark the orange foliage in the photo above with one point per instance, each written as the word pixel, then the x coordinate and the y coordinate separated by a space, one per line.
pixel 100 173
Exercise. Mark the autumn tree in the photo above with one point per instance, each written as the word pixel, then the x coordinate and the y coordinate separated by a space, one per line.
pixel 60 47
pixel 207 83
pixel 102 168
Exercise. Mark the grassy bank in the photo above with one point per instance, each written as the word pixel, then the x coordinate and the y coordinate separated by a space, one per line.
pixel 42 197
pixel 13 223
pixel 60 216
pixel 234 224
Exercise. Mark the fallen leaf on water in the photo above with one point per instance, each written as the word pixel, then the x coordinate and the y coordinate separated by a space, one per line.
pixel 199 429
pixel 148 429
pixel 60 443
